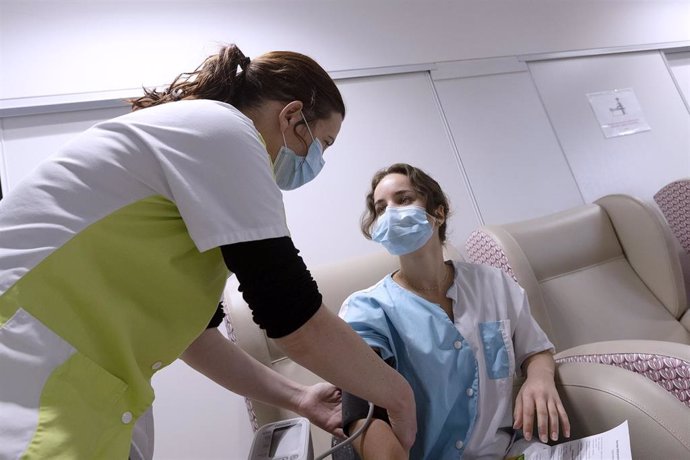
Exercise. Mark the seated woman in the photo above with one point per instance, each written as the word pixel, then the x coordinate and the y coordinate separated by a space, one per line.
pixel 457 332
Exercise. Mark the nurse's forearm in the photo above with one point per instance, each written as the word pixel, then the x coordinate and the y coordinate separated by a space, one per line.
pixel 229 366
pixel 329 347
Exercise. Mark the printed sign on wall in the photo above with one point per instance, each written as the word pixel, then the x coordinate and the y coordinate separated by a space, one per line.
pixel 618 112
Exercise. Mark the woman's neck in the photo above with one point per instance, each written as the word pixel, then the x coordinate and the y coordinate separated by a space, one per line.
pixel 425 271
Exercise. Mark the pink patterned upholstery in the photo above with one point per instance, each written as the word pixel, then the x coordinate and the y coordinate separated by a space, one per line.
pixel 674 202
pixel 672 374
pixel 247 401
pixel 252 414
pixel 482 249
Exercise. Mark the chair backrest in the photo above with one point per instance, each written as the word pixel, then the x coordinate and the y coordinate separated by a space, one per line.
pixel 336 282
pixel 674 201
pixel 602 271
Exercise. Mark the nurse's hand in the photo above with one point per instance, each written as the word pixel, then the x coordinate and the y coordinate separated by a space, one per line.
pixel 321 404
pixel 539 397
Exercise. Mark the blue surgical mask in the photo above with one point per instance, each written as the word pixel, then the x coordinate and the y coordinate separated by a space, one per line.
pixel 402 230
pixel 292 170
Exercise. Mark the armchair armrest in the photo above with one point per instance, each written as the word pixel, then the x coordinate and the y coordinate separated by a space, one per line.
pixel 643 381
pixel 598 397
pixel 665 363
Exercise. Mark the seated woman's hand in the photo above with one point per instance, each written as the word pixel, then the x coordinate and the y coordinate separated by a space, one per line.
pixel 539 398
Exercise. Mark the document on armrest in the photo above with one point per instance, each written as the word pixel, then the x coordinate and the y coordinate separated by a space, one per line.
pixel 609 445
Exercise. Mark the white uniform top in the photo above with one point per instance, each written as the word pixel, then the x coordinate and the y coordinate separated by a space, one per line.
pixel 462 371
pixel 110 267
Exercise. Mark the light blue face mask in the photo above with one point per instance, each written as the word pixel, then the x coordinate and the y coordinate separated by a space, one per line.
pixel 292 170
pixel 402 230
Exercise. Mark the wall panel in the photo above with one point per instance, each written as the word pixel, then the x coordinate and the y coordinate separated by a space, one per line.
pixel 514 164
pixel 679 64
pixel 637 164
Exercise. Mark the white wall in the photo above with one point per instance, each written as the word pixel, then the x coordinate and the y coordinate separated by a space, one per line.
pixel 60 47
pixel 28 140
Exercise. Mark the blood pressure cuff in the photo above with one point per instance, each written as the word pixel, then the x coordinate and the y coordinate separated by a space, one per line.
pixel 275 283
pixel 356 408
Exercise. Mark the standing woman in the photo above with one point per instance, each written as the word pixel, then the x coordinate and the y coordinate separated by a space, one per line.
pixel 115 251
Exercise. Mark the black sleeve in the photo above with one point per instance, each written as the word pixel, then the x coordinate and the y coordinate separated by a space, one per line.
pixel 355 408
pixel 275 283
pixel 217 317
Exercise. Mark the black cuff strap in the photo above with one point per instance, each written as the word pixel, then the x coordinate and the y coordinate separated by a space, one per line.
pixel 355 408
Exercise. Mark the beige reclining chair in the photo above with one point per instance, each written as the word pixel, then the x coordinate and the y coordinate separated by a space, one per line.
pixel 602 271
pixel 605 283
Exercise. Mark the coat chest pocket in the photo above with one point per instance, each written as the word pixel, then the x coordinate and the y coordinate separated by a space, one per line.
pixel 498 348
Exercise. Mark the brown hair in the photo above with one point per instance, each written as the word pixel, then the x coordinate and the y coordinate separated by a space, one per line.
pixel 421 182
pixel 278 75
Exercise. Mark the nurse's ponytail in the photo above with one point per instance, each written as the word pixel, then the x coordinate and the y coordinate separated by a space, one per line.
pixel 231 77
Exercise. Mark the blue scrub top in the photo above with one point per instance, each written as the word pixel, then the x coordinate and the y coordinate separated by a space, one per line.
pixel 461 371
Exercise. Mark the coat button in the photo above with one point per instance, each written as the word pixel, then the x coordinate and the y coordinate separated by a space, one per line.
pixel 457 344
pixel 459 445
pixel 470 392
pixel 127 417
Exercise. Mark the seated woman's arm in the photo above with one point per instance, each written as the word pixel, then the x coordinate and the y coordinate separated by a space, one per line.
pixel 378 441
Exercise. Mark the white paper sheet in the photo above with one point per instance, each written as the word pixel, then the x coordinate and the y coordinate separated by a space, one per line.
pixel 609 445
